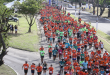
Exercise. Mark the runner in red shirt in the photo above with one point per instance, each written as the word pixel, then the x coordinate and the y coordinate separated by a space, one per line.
pixel 39 69
pixel 33 68
pixel 50 70
pixel 41 48
pixel 26 66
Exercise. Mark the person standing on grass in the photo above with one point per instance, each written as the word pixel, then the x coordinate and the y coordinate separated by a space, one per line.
pixel 42 55
pixel 16 28
pixel 26 66
pixel 33 68
pixel 39 69
pixel 12 29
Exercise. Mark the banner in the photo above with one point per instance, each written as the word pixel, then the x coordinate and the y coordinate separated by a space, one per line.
pixel 49 2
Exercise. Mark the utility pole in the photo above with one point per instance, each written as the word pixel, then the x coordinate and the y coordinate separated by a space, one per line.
pixel 75 8
pixel 97 15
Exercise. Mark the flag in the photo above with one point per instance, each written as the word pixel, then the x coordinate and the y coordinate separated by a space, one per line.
pixel 49 2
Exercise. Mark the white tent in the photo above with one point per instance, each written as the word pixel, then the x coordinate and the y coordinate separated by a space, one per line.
pixel 9 5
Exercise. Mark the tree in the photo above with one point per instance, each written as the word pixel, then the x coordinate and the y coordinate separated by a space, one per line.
pixel 16 4
pixel 72 1
pixel 4 27
pixel 30 9
pixel 8 0
pixel 94 2
pixel 102 4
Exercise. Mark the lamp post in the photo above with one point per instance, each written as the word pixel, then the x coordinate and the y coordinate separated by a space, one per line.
pixel 97 16
pixel 75 8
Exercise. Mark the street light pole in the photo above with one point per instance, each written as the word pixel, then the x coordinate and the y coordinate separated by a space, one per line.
pixel 75 8
pixel 97 16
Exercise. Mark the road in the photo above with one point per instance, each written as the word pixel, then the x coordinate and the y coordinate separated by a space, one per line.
pixel 103 24
pixel 16 58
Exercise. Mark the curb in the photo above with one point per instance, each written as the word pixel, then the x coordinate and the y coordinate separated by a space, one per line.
pixel 12 69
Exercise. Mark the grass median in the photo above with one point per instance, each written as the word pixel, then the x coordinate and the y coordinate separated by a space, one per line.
pixel 24 40
pixel 5 70
pixel 104 15
pixel 105 38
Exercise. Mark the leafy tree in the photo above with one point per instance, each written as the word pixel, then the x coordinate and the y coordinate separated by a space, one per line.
pixel 16 4
pixel 4 27
pixel 30 9
pixel 102 4
pixel 8 0
pixel 72 1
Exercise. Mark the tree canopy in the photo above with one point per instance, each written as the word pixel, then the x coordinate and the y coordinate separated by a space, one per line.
pixel 4 27
pixel 30 9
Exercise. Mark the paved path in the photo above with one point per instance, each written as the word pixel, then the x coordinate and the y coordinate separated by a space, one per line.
pixel 16 58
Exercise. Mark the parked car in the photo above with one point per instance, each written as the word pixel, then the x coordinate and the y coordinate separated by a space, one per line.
pixel 15 19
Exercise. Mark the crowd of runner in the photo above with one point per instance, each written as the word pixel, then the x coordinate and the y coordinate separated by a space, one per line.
pixel 77 45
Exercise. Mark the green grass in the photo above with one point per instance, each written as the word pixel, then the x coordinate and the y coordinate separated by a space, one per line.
pixel 101 36
pixel 104 15
pixel 24 40
pixel 106 44
pixel 5 70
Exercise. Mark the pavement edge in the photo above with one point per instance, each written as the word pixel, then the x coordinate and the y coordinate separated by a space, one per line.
pixel 12 69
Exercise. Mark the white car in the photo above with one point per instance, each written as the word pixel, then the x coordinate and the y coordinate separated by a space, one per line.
pixel 15 19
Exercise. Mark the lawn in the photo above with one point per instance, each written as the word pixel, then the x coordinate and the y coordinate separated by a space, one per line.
pixel 104 15
pixel 101 36
pixel 5 70
pixel 24 40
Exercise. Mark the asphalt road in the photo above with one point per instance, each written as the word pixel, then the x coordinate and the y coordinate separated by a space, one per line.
pixel 16 58
pixel 103 24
